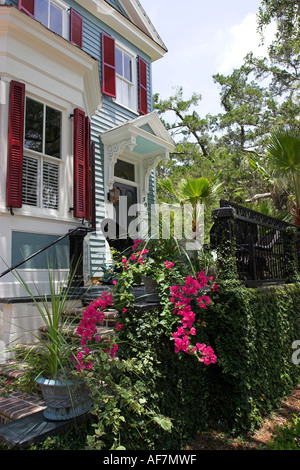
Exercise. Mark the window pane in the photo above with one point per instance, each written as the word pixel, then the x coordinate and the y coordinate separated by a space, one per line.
pixel 50 185
pixel 125 94
pixel 124 170
pixel 41 11
pixel 127 68
pixel 55 19
pixel 52 138
pixel 30 181
pixel 119 60
pixel 34 125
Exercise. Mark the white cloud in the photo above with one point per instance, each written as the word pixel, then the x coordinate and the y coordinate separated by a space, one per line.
pixel 242 38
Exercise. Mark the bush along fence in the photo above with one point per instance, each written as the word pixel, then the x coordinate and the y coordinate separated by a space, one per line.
pixel 166 341
pixel 252 330
pixel 209 349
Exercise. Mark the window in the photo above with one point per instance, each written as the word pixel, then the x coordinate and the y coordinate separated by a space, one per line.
pixel 51 15
pixel 124 75
pixel 124 170
pixel 34 156
pixel 54 14
pixel 124 79
pixel 42 149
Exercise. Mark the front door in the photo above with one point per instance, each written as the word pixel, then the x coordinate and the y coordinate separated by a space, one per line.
pixel 128 197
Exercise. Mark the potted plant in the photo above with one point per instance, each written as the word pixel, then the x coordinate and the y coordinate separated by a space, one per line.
pixel 65 393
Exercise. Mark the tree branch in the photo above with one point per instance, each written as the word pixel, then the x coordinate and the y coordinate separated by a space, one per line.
pixel 259 196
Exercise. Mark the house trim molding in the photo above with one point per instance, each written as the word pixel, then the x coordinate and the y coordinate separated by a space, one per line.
pixel 123 141
pixel 23 40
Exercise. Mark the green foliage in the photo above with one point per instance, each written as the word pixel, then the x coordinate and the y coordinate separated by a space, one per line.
pixel 126 415
pixel 284 154
pixel 291 261
pixel 172 380
pixel 252 331
pixel 286 437
pixel 251 108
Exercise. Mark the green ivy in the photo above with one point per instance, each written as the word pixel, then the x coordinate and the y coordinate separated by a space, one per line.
pixel 176 384
pixel 252 331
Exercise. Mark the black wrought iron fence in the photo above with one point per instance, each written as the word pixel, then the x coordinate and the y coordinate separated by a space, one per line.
pixel 261 242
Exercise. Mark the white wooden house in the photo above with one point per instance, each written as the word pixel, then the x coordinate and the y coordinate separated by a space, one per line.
pixel 76 120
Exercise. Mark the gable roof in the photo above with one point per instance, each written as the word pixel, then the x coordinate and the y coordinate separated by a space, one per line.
pixel 116 4
pixel 143 139
pixel 128 18
pixel 139 17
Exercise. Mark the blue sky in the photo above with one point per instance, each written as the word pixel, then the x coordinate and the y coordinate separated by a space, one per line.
pixel 204 38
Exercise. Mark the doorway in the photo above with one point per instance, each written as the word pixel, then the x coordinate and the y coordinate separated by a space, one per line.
pixel 128 197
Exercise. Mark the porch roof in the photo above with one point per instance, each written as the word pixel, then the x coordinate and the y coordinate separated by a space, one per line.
pixel 144 138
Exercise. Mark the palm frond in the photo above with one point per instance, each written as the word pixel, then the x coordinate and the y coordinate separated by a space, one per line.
pixel 284 149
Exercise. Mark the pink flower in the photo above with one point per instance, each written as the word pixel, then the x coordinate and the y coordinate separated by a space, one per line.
pixel 215 287
pixel 119 326
pixel 143 252
pixel 182 298
pixel 203 301
pixel 124 262
pixel 125 310
pixel 114 283
pixel 87 328
pixel 136 243
pixel 169 264
pixel 114 350
pixel 202 279
pixel 133 257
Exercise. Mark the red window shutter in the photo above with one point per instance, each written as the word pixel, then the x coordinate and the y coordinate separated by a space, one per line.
pixel 93 186
pixel 27 6
pixel 79 163
pixel 15 145
pixel 76 28
pixel 90 186
pixel 108 66
pixel 143 89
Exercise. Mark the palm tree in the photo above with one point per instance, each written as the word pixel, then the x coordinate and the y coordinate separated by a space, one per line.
pixel 193 191
pixel 284 154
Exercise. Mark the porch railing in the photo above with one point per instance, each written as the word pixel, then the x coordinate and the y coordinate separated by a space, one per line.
pixel 76 237
pixel 261 243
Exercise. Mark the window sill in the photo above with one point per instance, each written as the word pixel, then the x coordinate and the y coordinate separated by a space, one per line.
pixel 43 214
pixel 114 100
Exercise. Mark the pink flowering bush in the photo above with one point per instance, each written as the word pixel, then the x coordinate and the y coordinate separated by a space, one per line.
pixel 186 299
pixel 88 332
pixel 165 262
pixel 170 339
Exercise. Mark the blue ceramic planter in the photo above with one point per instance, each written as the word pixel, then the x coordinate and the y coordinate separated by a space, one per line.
pixel 64 400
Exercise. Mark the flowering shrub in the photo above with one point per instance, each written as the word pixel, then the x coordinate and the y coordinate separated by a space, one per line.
pixel 165 262
pixel 181 297
pixel 186 299
pixel 118 397
pixel 88 332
